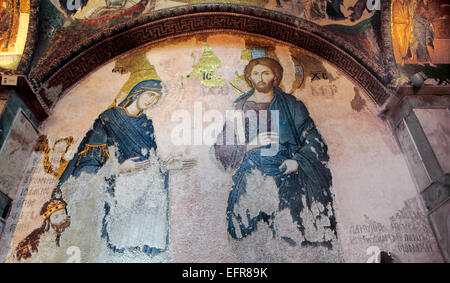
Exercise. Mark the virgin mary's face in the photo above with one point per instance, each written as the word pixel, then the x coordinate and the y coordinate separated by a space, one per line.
pixel 147 99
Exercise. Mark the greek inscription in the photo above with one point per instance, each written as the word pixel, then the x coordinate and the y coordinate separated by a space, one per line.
pixel 319 76
pixel 325 90
pixel 415 247
pixel 222 91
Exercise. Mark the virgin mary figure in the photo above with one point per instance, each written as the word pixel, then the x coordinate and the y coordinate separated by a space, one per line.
pixel 121 152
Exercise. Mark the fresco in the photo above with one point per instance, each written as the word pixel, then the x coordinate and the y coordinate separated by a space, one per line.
pixel 2 105
pixel 14 19
pixel 97 12
pixel 241 149
pixel 126 127
pixel 318 11
pixel 94 12
pixel 419 32
pixel 297 142
pixel 67 26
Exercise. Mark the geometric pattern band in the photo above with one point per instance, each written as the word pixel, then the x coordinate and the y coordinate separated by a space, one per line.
pixel 194 23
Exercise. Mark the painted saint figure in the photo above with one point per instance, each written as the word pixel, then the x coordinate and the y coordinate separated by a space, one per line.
pixel 423 32
pixel 125 183
pixel 401 23
pixel 126 126
pixel 110 10
pixel 54 214
pixel 300 177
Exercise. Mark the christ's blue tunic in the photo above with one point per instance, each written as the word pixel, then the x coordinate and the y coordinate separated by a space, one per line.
pixel 298 140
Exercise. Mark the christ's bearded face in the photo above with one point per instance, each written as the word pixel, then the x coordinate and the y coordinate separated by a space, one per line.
pixel 262 78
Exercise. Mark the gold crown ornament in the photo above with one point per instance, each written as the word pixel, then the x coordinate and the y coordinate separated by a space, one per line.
pixel 52 207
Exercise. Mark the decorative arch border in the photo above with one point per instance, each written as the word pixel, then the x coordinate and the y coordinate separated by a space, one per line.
pixel 189 20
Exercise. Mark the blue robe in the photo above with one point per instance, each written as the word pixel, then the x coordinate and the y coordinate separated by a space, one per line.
pixel 298 140
pixel 130 134
pixel 113 127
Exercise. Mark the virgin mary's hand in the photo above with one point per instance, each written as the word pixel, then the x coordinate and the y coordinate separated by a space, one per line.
pixel 130 165
pixel 178 164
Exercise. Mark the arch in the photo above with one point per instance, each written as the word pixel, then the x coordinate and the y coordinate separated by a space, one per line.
pixel 188 20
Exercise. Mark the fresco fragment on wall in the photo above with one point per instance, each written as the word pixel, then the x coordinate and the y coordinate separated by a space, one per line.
pixel 67 25
pixel 321 12
pixel 95 12
pixel 420 32
pixel 98 12
pixel 406 232
pixel 2 105
pixel 148 175
pixel 365 35
pixel 14 19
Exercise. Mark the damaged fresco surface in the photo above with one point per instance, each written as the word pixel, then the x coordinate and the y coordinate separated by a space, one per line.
pixel 419 31
pixel 123 180
pixel 420 39
pixel 92 12
pixel 14 19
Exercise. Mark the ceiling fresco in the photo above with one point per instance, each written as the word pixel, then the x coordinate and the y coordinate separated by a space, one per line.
pixel 69 26
pixel 420 32
pixel 94 12
pixel 14 19
pixel 391 39
pixel 420 37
